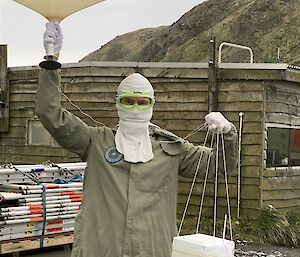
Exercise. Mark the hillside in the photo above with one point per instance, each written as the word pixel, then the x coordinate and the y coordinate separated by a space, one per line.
pixel 263 25
pixel 127 47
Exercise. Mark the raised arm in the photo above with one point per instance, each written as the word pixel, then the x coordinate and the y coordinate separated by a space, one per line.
pixel 67 129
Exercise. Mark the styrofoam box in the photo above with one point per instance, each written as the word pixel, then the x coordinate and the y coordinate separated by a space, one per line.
pixel 201 245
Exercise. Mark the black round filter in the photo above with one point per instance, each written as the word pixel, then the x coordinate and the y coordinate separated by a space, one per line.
pixel 50 65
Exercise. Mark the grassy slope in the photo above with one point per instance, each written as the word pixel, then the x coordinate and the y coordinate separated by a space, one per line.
pixel 124 48
pixel 263 25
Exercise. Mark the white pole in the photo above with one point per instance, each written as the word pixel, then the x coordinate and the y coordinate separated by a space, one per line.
pixel 239 164
pixel 224 228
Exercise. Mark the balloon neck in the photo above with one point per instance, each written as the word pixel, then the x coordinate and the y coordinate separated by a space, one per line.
pixel 54 19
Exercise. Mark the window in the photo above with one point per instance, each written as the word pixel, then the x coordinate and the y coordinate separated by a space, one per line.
pixel 38 135
pixel 283 147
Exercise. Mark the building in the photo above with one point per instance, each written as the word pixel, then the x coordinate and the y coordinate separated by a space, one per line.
pixel 262 100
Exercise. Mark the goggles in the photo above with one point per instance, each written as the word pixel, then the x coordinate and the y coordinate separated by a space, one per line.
pixel 135 100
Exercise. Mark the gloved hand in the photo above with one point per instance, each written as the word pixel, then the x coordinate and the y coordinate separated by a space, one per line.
pixel 217 122
pixel 53 35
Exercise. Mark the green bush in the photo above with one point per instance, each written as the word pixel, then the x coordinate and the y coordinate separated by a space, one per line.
pixel 271 226
pixel 278 227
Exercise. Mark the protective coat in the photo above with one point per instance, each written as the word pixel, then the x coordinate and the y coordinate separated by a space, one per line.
pixel 128 209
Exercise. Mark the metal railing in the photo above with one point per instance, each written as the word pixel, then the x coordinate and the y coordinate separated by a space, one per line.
pixel 237 46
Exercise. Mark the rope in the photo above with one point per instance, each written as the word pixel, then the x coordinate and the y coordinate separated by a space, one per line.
pixel 44 217
pixel 193 132
pixel 196 130
pixel 35 179
pixel 79 109
pixel 192 186
pixel 61 181
pixel 2 133
pixel 30 175
pixel 205 183
pixel 216 185
pixel 204 187
pixel 226 186
pixel 102 124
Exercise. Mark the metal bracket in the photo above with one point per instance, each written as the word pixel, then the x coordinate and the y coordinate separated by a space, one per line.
pixel 4 91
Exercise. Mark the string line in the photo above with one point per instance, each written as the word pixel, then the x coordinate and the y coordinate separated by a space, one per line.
pixel 226 186
pixel 204 186
pixel 79 109
pixel 216 185
pixel 193 183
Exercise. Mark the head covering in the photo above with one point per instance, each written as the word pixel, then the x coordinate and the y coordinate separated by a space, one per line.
pixel 135 83
pixel 132 137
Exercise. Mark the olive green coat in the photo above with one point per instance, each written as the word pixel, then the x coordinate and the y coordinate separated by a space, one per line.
pixel 128 209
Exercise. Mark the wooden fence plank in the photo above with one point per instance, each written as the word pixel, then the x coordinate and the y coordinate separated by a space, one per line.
pixel 283 204
pixel 280 183
pixel 283 194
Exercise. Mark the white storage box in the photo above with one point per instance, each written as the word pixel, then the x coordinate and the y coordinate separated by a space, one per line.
pixel 201 245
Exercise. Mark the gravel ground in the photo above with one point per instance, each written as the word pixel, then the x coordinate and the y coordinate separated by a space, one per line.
pixel 242 250
pixel 254 250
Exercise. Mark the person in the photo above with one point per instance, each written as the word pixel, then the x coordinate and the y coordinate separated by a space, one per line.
pixel 131 179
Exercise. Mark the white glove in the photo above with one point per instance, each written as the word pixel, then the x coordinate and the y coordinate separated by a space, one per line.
pixel 53 36
pixel 217 122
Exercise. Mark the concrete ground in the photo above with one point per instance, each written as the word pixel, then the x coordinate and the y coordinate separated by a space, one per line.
pixel 58 253
pixel 247 250
pixel 266 250
pixel 47 252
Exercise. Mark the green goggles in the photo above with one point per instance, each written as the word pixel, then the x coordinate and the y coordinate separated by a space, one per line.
pixel 135 100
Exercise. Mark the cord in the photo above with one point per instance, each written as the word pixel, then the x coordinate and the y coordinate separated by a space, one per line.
pixel 79 109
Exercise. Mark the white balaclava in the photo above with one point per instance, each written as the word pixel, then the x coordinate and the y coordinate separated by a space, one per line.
pixel 132 136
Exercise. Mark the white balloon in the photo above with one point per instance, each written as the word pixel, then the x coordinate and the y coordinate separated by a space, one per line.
pixel 57 10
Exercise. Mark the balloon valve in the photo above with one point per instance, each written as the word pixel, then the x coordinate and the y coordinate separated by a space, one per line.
pixel 50 63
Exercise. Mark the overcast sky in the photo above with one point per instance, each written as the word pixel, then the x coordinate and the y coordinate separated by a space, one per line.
pixel 85 31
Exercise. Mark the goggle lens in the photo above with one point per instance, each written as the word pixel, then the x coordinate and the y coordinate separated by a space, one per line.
pixel 130 101
pixel 141 101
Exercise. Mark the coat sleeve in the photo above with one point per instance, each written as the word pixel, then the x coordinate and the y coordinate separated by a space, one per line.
pixel 67 129
pixel 191 156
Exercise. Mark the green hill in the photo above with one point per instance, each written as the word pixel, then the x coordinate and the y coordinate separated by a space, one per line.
pixel 267 26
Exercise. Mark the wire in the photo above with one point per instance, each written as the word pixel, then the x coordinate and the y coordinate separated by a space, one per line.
pixel 79 109
pixel 2 132
pixel 193 132
pixel 29 175
pixel 42 239
pixel 193 183
pixel 216 185
pixel 226 185
pixel 196 130
pixel 204 185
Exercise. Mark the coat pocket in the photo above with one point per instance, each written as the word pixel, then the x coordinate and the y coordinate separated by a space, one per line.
pixel 171 148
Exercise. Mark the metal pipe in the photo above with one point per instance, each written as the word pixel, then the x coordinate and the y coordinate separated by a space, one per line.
pixel 239 164
pixel 237 46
